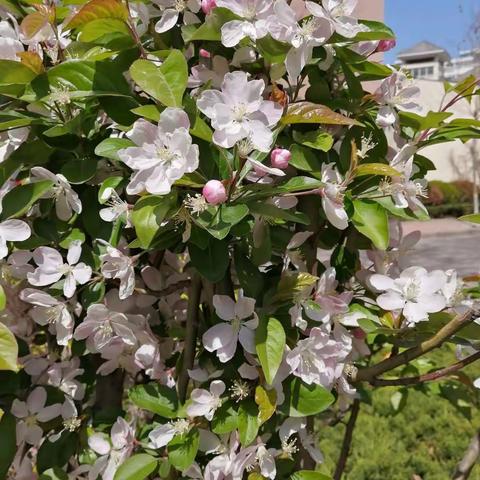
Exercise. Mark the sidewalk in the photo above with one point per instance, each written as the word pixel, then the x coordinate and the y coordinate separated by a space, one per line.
pixel 440 226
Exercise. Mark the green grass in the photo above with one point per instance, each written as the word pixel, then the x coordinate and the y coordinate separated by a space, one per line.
pixel 427 437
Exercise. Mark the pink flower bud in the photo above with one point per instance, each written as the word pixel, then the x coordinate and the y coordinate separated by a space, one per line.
pixel 280 157
pixel 214 192
pixel 359 334
pixel 208 6
pixel 386 45
pixel 204 53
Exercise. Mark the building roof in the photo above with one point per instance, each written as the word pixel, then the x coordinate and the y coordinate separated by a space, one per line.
pixel 424 49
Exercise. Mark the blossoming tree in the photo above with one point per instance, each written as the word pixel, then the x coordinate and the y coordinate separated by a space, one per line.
pixel 200 240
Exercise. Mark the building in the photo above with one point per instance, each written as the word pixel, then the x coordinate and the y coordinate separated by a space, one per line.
pixel 428 61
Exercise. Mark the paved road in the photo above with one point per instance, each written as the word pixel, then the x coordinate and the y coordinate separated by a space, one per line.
pixel 459 251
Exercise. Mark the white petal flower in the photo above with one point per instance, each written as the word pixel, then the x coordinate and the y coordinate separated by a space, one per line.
pixel 254 14
pixel 12 231
pixel 416 292
pixel 51 268
pixel 66 199
pixel 222 338
pixel 171 10
pixel 319 359
pixel 332 197
pixel 204 402
pixel 50 311
pixel 163 154
pixel 30 413
pixel 115 264
pixel 239 112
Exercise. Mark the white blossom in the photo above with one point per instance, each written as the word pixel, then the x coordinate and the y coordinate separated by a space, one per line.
pixel 171 10
pixel 253 23
pixel 50 268
pixel 50 312
pixel 332 196
pixel 163 153
pixel 415 292
pixel 66 199
pixel 115 264
pixel 223 337
pixel 12 231
pixel 204 402
pixel 239 112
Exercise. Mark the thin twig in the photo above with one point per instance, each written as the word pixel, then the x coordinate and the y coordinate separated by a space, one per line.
pixel 347 440
pixel 190 334
pixel 465 466
pixel 427 377
pixel 447 331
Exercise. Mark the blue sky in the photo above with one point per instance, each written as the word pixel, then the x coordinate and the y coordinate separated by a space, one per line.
pixel 443 22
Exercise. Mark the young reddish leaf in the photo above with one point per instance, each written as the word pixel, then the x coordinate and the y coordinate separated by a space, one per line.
pixel 32 60
pixel 307 112
pixel 96 9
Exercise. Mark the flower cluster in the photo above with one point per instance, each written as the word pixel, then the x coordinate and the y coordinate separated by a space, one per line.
pixel 199 237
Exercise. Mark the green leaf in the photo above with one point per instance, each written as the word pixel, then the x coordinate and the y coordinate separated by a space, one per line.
pixel 307 112
pixel 148 214
pixel 376 169
pixel 266 401
pixel 57 454
pixel 109 147
pixel 271 211
pixel 248 422
pixel 225 419
pixel 92 293
pixel 210 29
pixel 298 184
pixel 472 218
pixel 15 73
pixel 8 349
pixel 249 276
pixel 302 400
pixel 292 284
pixel 3 299
pixel 151 112
pixel 165 83
pixel 54 473
pixel 96 29
pixel 219 220
pixel 371 219
pixel 80 170
pixel 21 198
pixel 423 122
pixel 309 475
pixel 272 50
pixel 183 449
pixel 270 342
pixel 9 447
pixel 137 467
pixel 108 183
pixel 317 140
pixel 376 31
pixel 212 261
pixel 155 398
pixel 304 159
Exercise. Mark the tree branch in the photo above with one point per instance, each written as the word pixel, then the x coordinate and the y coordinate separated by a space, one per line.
pixel 347 440
pixel 451 328
pixel 465 466
pixel 190 334
pixel 427 377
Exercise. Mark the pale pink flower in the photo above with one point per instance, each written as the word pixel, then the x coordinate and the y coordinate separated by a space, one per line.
pixel 239 112
pixel 51 312
pixel 12 231
pixel 208 6
pixel 163 153
pixel 163 434
pixel 223 337
pixel 50 268
pixel 204 402
pixel 113 453
pixel 319 359
pixel 102 325
pixel 115 264
pixel 332 196
pixel 415 292
pixel 280 157
pixel 253 23
pixel 66 199
pixel 288 429
pixel 30 413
